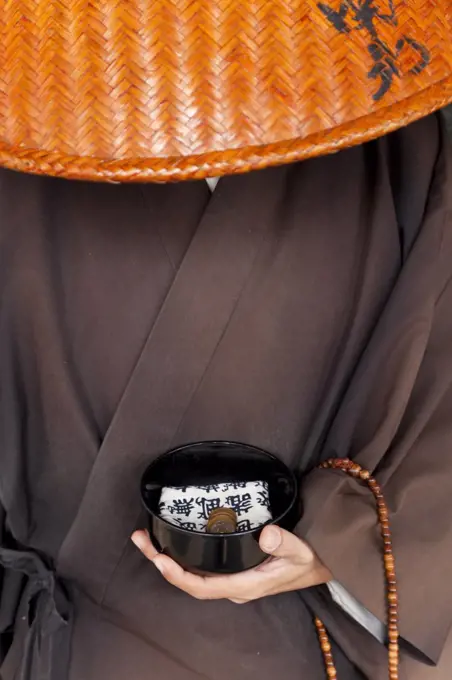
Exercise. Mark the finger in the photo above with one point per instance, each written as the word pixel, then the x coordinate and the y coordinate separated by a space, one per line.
pixel 206 587
pixel 246 586
pixel 143 542
pixel 238 601
pixel 200 587
pixel 280 543
pixel 163 563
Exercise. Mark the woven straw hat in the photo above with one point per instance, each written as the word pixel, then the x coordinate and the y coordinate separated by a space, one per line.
pixel 153 90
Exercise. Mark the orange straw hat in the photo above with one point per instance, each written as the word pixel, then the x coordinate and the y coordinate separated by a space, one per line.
pixel 159 90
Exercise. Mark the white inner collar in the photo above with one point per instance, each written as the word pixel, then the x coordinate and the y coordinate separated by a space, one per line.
pixel 212 183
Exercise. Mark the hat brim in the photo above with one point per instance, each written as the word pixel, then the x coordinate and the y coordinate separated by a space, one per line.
pixel 216 164
pixel 156 92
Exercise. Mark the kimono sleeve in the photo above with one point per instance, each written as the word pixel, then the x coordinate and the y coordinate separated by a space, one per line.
pixel 396 421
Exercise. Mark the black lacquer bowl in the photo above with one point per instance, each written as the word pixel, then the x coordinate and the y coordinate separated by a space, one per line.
pixel 206 463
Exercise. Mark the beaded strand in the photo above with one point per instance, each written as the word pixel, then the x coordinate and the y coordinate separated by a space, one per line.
pixel 355 470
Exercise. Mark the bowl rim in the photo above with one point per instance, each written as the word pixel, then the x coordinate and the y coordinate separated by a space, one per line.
pixel 226 443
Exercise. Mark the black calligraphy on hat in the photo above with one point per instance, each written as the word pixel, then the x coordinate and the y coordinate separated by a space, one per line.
pixel 362 15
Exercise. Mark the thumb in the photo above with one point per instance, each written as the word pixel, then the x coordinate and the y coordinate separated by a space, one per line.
pixel 280 543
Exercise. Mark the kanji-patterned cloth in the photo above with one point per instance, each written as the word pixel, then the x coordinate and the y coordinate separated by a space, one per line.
pixel 190 506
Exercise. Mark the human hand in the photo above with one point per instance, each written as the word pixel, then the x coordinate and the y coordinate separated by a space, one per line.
pixel 293 565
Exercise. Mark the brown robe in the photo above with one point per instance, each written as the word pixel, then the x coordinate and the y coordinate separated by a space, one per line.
pixel 306 310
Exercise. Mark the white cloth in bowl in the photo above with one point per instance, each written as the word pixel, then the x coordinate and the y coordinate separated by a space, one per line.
pixel 190 506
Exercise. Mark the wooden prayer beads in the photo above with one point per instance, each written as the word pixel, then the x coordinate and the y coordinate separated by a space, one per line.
pixel 355 470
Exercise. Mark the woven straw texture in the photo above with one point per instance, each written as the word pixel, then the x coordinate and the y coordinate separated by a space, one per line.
pixel 159 90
